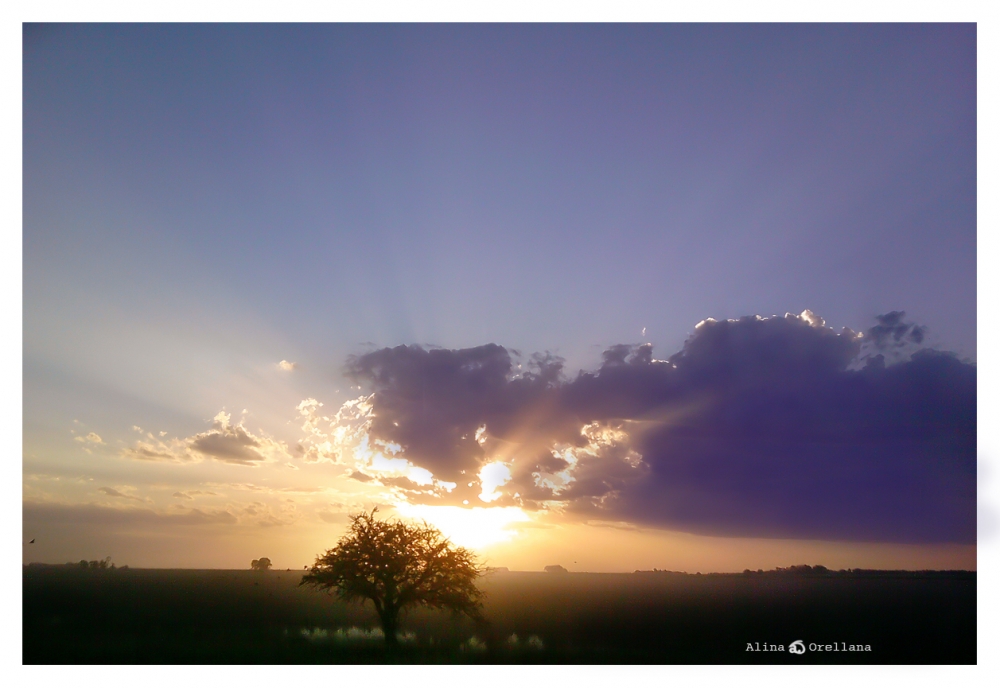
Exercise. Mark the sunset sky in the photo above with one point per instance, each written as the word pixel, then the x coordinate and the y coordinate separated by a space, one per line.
pixel 615 297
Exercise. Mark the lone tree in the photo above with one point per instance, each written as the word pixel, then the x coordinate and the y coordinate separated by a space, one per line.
pixel 398 566
pixel 262 564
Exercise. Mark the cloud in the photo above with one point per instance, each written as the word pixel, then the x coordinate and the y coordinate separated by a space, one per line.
pixel 111 492
pixel 893 337
pixel 433 402
pixel 287 366
pixel 230 444
pixel 155 449
pixel 241 486
pixel 91 437
pixel 191 494
pixel 333 438
pixel 773 427
pixel 225 442
pixel 112 517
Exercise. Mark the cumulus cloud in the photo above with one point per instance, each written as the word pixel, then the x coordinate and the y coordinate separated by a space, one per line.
pixel 893 338
pixel 287 366
pixel 774 427
pixel 225 442
pixel 333 438
pixel 434 402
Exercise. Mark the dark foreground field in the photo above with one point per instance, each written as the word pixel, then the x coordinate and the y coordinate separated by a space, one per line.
pixel 155 616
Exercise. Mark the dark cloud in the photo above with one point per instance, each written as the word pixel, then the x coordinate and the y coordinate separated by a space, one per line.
pixel 893 335
pixel 224 442
pixel 228 444
pixel 432 402
pixel 777 427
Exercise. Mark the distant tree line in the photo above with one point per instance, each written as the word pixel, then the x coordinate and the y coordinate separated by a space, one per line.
pixel 799 570
pixel 104 564
pixel 820 571
pixel 805 570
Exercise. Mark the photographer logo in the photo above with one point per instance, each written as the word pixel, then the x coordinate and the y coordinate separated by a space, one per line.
pixel 799 647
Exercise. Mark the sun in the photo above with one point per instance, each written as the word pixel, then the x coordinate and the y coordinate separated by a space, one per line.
pixel 472 527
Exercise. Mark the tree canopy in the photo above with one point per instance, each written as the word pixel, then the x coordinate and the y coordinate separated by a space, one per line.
pixel 397 566
pixel 262 564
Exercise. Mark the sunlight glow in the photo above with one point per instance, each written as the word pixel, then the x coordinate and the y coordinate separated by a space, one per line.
pixel 559 481
pixel 604 442
pixel 474 528
pixel 377 462
pixel 492 476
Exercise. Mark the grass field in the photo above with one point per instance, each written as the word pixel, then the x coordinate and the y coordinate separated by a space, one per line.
pixel 163 616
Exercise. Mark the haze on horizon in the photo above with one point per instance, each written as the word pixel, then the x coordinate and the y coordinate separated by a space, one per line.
pixel 615 297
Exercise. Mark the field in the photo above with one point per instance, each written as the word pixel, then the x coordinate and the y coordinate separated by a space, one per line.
pixel 161 616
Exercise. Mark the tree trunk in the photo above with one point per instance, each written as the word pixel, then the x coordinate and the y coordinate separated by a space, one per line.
pixel 389 618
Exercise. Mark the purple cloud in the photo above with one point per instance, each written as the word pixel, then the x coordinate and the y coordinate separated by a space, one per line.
pixel 777 427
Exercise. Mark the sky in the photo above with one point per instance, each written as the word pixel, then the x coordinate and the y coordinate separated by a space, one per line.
pixel 615 297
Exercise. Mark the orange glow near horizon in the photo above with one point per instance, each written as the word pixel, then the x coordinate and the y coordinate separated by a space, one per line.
pixel 501 536
pixel 475 527
pixel 609 548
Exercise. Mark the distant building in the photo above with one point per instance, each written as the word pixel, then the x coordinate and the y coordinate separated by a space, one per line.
pixel 555 568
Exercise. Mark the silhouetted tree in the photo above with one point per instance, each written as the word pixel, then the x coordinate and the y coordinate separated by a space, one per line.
pixel 397 566
pixel 262 564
